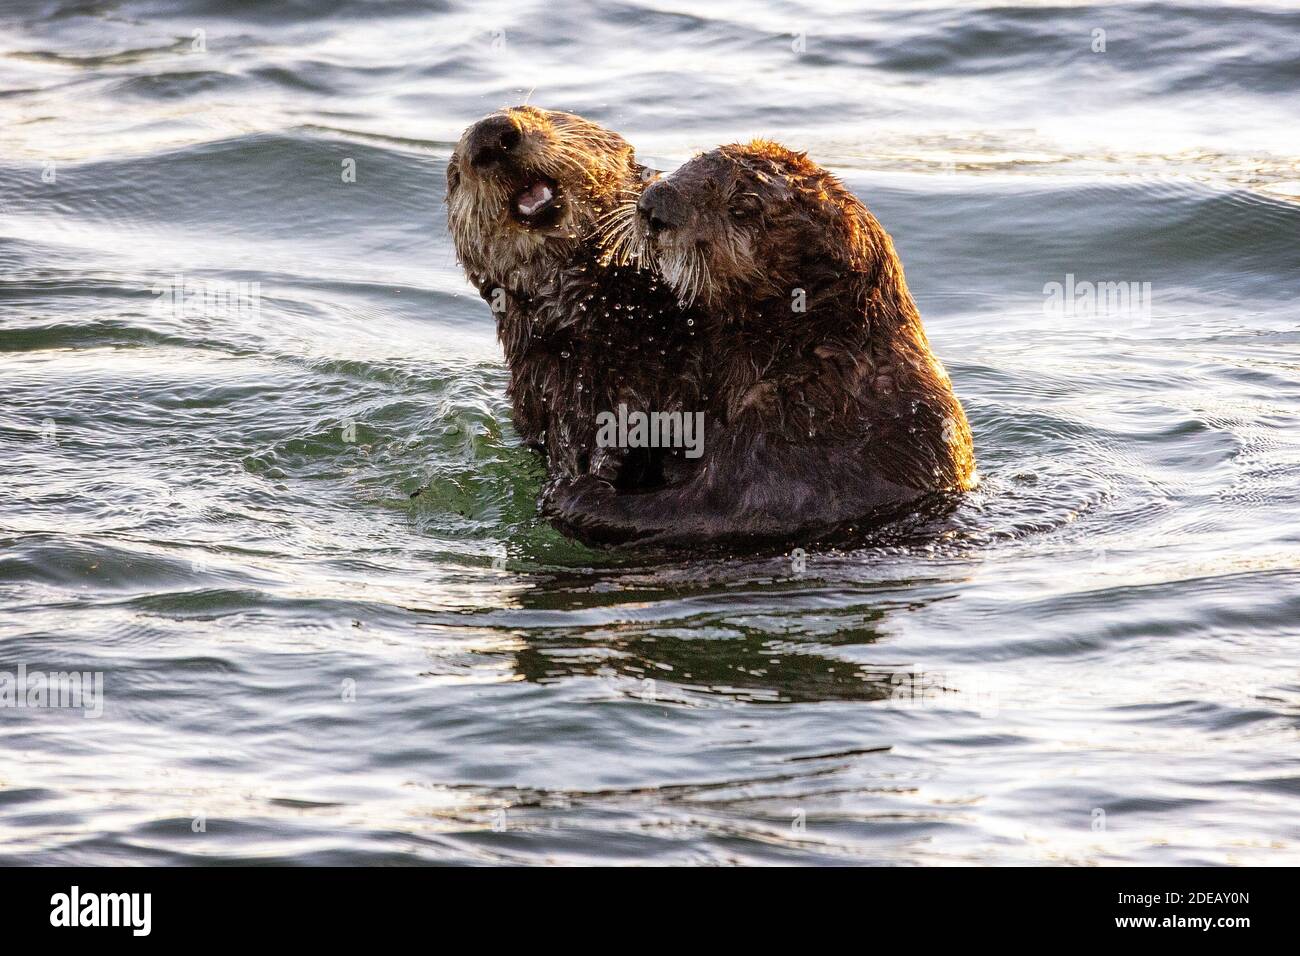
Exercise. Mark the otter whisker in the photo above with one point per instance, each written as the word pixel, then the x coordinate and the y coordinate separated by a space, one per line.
pixel 614 246
pixel 687 272
pixel 619 236
pixel 693 277
pixel 574 160
pixel 618 216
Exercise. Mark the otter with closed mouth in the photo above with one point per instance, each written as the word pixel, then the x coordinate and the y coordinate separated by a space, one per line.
pixel 529 193
pixel 831 410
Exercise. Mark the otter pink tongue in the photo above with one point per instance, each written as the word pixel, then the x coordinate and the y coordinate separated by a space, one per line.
pixel 534 198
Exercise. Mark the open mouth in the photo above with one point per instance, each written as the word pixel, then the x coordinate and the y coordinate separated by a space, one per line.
pixel 533 204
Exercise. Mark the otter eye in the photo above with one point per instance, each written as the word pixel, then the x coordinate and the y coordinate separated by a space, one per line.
pixel 744 207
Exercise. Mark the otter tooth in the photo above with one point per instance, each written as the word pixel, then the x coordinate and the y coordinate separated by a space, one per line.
pixel 528 210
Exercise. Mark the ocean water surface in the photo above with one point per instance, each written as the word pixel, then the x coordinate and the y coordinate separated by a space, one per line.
pixel 1094 660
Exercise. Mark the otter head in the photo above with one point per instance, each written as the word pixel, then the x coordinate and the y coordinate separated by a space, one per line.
pixel 526 186
pixel 740 224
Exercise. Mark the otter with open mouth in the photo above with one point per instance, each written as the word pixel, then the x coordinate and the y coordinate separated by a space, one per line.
pixel 529 195
pixel 833 412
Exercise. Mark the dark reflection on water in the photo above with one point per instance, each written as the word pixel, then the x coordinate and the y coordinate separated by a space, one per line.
pixel 772 655
pixel 300 544
pixel 743 667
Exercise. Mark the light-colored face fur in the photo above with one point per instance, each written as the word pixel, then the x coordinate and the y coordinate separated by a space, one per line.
pixel 527 186
pixel 730 225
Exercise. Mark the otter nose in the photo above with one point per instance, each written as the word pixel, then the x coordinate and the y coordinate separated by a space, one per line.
pixel 661 207
pixel 491 140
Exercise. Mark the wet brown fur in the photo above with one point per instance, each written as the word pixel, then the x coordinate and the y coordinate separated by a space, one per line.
pixel 827 416
pixel 581 334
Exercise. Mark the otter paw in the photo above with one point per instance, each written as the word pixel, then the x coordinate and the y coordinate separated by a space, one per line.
pixel 606 463
pixel 571 502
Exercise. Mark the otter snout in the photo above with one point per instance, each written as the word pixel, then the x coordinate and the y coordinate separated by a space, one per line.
pixel 662 208
pixel 491 140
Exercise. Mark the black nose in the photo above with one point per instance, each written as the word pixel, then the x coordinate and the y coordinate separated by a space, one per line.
pixel 491 140
pixel 661 207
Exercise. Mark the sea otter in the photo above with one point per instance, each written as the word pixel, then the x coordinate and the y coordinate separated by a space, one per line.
pixel 832 411
pixel 528 195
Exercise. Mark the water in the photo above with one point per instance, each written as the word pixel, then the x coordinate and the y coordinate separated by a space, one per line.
pixel 1094 660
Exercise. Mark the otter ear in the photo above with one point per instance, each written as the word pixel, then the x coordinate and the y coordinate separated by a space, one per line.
pixel 779 186
pixel 647 174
